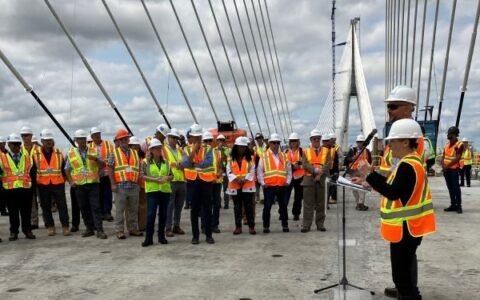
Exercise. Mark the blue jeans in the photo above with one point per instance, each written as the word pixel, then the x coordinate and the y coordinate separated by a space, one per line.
pixel 201 192
pixel 452 178
pixel 160 201
pixel 270 192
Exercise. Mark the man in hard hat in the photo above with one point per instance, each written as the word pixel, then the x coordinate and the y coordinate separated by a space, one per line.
pixel 125 171
pixel 103 148
pixel 160 134
pixel 200 175
pixel 173 153
pixel 295 157
pixel 3 201
pixel 16 173
pixel 224 151
pixel 259 149
pixel 274 175
pixel 82 172
pixel 466 163
pixel 135 144
pixel 49 163
pixel 353 159
pixel 452 154
pixel 28 146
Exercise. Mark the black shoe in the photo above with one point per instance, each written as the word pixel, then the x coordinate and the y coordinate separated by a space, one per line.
pixel 322 229
pixel 13 237
pixel 195 241
pixel 108 218
pixel 459 210
pixel 450 208
pixel 391 292
pixel 296 218
pixel 162 240
pixel 285 229
pixel 266 230
pixel 30 236
pixel 147 242
pixel 216 230
pixel 468 185
pixel 304 230
pixel 74 229
pixel 87 233
pixel 101 235
pixel 462 184
pixel 210 240
pixel 34 227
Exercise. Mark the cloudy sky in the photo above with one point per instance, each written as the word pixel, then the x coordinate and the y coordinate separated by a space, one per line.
pixel 33 41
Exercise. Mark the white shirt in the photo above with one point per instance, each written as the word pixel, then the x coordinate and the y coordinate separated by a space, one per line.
pixel 276 159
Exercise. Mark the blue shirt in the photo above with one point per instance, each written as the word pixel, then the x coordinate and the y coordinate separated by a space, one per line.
pixel 111 162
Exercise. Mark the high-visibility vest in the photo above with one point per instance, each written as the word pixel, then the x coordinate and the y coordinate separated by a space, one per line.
pixel 49 173
pixel 274 175
pixel 106 148
pixel 30 152
pixel 13 176
pixel 417 213
pixel 293 157
pixel 363 157
pixel 466 157
pixel 333 155
pixel 178 175
pixel 387 159
pixel 217 162
pixel 154 171
pixel 206 174
pixel 243 171
pixel 82 172
pixel 317 161
pixel 431 155
pixel 126 170
pixel 259 150
pixel 450 153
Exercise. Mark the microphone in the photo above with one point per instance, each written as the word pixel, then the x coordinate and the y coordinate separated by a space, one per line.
pixel 369 138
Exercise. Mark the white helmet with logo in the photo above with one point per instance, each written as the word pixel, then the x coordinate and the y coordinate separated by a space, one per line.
pixel 163 129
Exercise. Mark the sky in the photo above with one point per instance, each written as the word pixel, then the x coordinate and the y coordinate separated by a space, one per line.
pixel 35 44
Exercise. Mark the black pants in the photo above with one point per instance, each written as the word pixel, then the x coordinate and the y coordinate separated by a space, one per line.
pixel 332 189
pixel 465 172
pixel 19 202
pixel 201 193
pixel 3 200
pixel 243 200
pixel 50 192
pixel 88 200
pixel 75 208
pixel 270 193
pixel 430 163
pixel 404 264
pixel 296 186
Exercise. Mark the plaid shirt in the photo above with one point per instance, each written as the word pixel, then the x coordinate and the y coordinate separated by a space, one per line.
pixel 128 185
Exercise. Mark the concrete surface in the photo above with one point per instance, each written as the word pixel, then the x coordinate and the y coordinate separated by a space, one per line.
pixel 275 266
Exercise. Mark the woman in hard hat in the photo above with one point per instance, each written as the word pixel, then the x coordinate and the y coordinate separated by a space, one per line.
pixel 406 207
pixel 157 175
pixel 241 183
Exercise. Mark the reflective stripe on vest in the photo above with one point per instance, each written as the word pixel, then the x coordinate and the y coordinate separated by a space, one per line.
pixel 363 157
pixel 126 170
pixel 317 161
pixel 106 148
pixel 14 176
pixel 274 175
pixel 82 174
pixel 242 171
pixel 217 162
pixel 259 150
pixel 49 173
pixel 177 173
pixel 431 155
pixel 386 163
pixel 417 213
pixel 154 171
pixel 206 174
pixel 450 153
pixel 293 157
pixel 466 157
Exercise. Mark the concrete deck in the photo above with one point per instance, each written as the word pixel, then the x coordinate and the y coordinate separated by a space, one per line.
pixel 275 266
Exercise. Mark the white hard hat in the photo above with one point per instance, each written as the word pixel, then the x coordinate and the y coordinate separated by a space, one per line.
pixel 26 130
pixel 315 132
pixel 332 135
pixel 242 141
pixel 2 139
pixel 34 139
pixel 293 136
pixel 80 133
pixel 154 143
pixel 14 138
pixel 405 129
pixel 95 130
pixel 195 130
pixel 174 132
pixel 220 137
pixel 134 141
pixel 274 138
pixel 326 137
pixel 207 135
pixel 360 138
pixel 163 129
pixel 403 93
pixel 465 140
pixel 46 134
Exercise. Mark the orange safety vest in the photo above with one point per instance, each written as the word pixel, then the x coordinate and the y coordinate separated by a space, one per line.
pixel 207 174
pixel 243 171
pixel 293 157
pixel 450 153
pixel 126 170
pixel 274 175
pixel 106 148
pixel 418 213
pixel 49 173
pixel 317 161
pixel 387 158
pixel 363 157
pixel 14 176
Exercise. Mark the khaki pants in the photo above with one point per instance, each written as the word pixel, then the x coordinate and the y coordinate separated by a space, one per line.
pixel 359 196
pixel 314 202
pixel 126 200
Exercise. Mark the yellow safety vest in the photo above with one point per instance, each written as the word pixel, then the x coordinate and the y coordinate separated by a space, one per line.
pixel 13 176
pixel 82 172
pixel 178 175
pixel 154 171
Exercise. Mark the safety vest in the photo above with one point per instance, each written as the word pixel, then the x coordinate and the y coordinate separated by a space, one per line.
pixel 106 148
pixel 431 155
pixel 317 161
pixel 82 172
pixel 49 173
pixel 417 213
pixel 386 163
pixel 363 157
pixel 274 175
pixel 466 157
pixel 206 174
pixel 31 151
pixel 243 171
pixel 13 176
pixel 178 175
pixel 450 153
pixel 154 171
pixel 217 162
pixel 293 157
pixel 260 150
pixel 126 170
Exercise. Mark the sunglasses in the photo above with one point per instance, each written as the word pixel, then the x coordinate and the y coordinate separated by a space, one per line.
pixel 394 106
pixel 275 143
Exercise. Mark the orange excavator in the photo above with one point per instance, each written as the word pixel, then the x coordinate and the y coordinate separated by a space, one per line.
pixel 229 130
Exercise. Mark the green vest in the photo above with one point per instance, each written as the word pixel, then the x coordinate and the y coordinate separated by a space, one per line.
pixel 82 174
pixel 177 173
pixel 431 155
pixel 154 171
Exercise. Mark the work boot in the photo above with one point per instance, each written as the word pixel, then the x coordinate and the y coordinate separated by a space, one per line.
pixel 135 232
pixel 304 230
pixel 66 231
pixel 74 229
pixel 108 218
pixel 266 230
pixel 88 233
pixel 238 230
pixel 210 240
pixel 121 235
pixel 252 231
pixel 162 240
pixel 13 237
pixel 178 230
pixel 30 236
pixel 51 231
pixel 101 235
pixel 195 241
pixel 285 229
pixel 391 292
pixel 459 210
pixel 169 233
pixel 450 208
pixel 147 242
pixel 296 218
pixel 216 230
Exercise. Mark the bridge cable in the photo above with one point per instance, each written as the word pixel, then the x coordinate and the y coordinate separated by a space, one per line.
pixel 406 41
pixel 421 57
pixel 432 52
pixel 413 43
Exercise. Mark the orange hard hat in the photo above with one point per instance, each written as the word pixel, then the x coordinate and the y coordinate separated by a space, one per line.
pixel 121 134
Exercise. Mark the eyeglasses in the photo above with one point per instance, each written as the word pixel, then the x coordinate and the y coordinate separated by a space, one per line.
pixel 394 106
